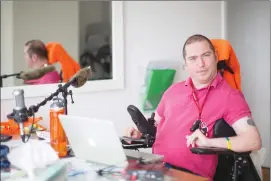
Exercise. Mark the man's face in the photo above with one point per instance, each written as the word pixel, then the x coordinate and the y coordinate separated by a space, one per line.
pixel 201 61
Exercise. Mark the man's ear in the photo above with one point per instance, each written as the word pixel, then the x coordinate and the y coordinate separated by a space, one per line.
pixel 34 57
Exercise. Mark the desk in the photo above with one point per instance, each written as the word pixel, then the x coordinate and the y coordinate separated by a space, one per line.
pixel 174 175
pixel 184 176
pixel 178 175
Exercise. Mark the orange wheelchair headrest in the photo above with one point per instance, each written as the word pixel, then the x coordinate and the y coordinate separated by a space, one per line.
pixel 223 48
pixel 228 62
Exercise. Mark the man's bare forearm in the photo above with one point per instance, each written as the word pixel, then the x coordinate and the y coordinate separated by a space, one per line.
pixel 247 139
pixel 238 143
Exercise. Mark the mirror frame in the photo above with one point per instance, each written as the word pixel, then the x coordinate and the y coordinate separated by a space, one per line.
pixel 116 83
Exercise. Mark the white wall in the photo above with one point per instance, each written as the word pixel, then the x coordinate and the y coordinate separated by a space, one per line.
pixel 45 20
pixel 152 30
pixel 7 42
pixel 249 32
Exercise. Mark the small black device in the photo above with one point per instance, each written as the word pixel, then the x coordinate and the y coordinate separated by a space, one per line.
pixel 5 138
pixel 195 126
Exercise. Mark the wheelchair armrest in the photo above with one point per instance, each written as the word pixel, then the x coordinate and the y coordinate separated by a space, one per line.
pixel 135 144
pixel 216 151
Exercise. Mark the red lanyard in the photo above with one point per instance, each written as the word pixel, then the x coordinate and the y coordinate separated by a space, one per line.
pixel 195 98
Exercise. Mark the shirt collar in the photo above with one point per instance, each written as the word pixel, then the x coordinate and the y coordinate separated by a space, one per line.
pixel 215 82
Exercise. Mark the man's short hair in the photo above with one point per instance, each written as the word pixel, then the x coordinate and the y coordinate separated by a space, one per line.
pixel 37 47
pixel 197 38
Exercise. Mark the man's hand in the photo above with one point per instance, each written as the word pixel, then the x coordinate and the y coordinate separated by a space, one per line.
pixel 133 133
pixel 197 138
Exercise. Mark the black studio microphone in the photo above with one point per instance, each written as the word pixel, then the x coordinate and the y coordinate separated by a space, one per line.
pixel 20 112
pixel 36 73
pixel 80 77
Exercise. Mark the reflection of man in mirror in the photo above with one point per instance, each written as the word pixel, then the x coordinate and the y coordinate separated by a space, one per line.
pixel 36 56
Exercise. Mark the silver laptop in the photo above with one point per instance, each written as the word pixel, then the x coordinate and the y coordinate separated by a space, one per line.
pixel 97 141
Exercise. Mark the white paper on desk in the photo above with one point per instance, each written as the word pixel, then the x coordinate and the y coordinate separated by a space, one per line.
pixel 12 144
pixel 44 134
pixel 32 156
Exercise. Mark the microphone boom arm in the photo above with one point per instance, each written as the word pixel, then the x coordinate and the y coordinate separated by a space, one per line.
pixel 21 114
pixel 62 89
pixel 74 81
pixel 8 75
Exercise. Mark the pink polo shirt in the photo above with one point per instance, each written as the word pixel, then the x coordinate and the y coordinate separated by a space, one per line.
pixel 49 78
pixel 179 111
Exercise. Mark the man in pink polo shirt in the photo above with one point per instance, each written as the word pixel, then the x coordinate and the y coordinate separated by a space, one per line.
pixel 36 56
pixel 207 97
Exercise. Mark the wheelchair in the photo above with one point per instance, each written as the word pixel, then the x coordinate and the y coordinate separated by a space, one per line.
pixel 232 166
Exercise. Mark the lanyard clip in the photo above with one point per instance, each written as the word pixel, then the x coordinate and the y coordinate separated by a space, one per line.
pixel 195 126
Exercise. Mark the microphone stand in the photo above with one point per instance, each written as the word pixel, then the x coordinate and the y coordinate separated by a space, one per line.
pixel 23 116
pixel 61 89
pixel 6 76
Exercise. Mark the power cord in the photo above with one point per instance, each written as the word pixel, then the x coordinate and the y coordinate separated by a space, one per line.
pixel 103 171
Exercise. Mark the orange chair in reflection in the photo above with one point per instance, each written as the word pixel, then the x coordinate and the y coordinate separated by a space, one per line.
pixel 57 54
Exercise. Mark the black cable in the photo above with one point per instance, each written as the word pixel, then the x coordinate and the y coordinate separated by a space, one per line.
pixel 101 171
pixel 104 170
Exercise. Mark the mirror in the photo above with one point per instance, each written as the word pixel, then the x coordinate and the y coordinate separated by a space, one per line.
pixel 87 32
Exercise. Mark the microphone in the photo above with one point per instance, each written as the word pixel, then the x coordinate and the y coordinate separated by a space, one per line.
pixel 80 77
pixel 20 112
pixel 36 73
